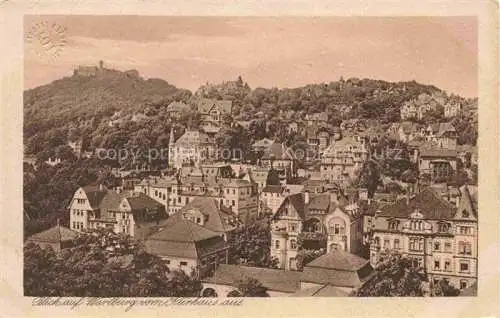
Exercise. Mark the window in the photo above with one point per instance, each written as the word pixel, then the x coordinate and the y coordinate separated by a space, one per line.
pixel 464 248
pixel 337 229
pixel 437 246
pixel 277 244
pixel 183 263
pixel 463 284
pixel 294 228
pixel 74 225
pixel 393 225
pixel 293 244
pixel 465 230
pixel 164 197
pixel 233 203
pixel 187 200
pixel 447 247
pixel 437 265
pixel 234 191
pixel 386 243
pixel 447 265
pixel 396 244
pixel 416 244
pixel 198 220
pixel 464 267
pixel 179 199
pixel 443 227
pixel 156 193
pixel 465 214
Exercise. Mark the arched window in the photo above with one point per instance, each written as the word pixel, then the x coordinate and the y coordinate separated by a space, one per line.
pixel 293 244
pixel 465 214
pixel 277 244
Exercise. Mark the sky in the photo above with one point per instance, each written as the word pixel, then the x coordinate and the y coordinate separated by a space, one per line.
pixel 265 51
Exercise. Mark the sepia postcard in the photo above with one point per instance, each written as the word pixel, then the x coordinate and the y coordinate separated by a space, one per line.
pixel 203 159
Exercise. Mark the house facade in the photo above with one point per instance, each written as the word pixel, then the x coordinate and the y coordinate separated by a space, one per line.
pixel 440 237
pixel 342 160
pixel 94 207
pixel 192 148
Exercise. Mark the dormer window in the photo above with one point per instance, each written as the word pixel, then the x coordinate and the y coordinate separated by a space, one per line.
pixel 465 214
pixel 393 225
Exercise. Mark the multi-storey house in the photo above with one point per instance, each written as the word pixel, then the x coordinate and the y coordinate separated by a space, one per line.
pixel 442 135
pixel 192 148
pixel 452 109
pixel 175 109
pixel 437 163
pixel 132 213
pixel 318 137
pixel 237 195
pixel 331 214
pixel 212 110
pixel 187 246
pixel 317 119
pixel 343 159
pixel 282 159
pixel 440 237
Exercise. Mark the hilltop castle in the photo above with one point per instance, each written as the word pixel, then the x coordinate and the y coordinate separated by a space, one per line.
pixel 89 70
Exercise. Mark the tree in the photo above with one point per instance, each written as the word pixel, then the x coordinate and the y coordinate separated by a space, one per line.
pixel 445 288
pixel 103 264
pixel 394 276
pixel 250 287
pixel 250 245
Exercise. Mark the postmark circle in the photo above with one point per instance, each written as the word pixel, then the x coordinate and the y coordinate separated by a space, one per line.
pixel 46 39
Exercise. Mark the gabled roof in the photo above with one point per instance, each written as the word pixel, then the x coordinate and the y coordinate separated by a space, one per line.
pixel 95 194
pixel 140 201
pixel 273 279
pixel 428 202
pixel 273 189
pixel 193 138
pixel 445 128
pixel 337 268
pixel 319 202
pixel 205 105
pixel 208 206
pixel 183 238
pixel 297 201
pixel 181 230
pixel 55 234
pixel 340 260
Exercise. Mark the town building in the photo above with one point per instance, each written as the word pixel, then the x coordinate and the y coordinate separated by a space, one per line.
pixel 212 110
pixel 190 247
pixel 317 119
pixel 131 213
pixel 262 144
pixel 439 236
pixel 343 159
pixel 437 163
pixel 334 274
pixel 330 215
pixel 452 109
pixel 192 148
pixel 175 109
pixel 56 238
pixel 174 192
pixel 338 268
pixel 318 137
pixel 282 159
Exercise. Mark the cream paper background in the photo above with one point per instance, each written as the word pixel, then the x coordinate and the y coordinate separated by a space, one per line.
pixel 13 304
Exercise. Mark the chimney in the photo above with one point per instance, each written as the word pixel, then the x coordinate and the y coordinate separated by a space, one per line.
pixel 306 197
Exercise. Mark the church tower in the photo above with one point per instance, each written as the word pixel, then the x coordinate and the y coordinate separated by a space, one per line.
pixel 171 149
